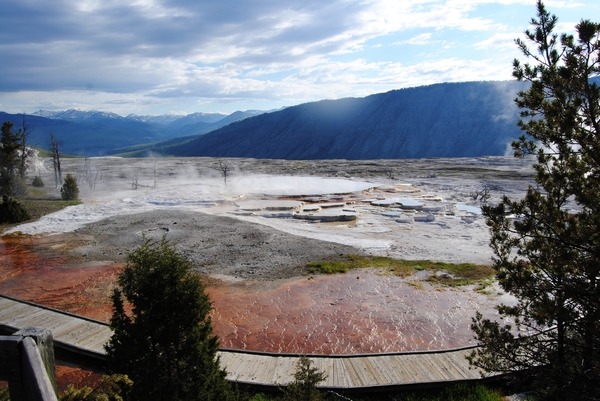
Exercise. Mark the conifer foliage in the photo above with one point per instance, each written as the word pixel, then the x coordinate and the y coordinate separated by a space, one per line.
pixel 70 189
pixel 11 211
pixel 548 256
pixel 10 160
pixel 162 329
pixel 306 379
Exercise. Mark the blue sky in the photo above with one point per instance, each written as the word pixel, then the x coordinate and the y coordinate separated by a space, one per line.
pixel 184 56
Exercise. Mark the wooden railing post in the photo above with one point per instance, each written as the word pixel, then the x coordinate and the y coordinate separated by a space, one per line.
pixel 45 343
pixel 38 386
pixel 27 363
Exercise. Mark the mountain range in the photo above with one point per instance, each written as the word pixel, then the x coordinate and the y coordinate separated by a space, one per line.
pixel 442 120
pixel 96 133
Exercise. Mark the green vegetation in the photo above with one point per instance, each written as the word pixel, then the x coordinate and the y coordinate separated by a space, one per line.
pixel 37 203
pixel 453 392
pixel 4 394
pixel 306 379
pixel 163 336
pixel 37 181
pixel 11 169
pixel 111 388
pixel 460 274
pixel 549 258
pixel 453 274
pixel 12 211
pixel 69 190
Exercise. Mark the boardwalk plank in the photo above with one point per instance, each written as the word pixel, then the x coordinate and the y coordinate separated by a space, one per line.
pixel 384 368
pixel 25 318
pixel 354 378
pixel 230 362
pixel 15 313
pixel 415 370
pixel 262 372
pixel 244 370
pixel 13 308
pixel 268 369
pixel 402 370
pixel 436 365
pixel 373 371
pixel 284 370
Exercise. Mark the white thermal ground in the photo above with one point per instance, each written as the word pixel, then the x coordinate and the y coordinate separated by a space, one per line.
pixel 460 236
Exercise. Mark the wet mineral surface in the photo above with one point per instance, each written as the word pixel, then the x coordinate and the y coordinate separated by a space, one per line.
pixel 363 311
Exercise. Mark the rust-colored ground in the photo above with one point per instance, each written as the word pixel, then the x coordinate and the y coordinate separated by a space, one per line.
pixel 360 312
pixel 37 270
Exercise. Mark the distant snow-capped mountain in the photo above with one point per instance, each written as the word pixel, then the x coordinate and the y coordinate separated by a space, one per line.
pixel 163 119
pixel 95 133
pixel 76 115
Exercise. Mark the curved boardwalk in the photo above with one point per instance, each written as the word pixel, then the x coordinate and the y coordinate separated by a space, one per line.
pixel 87 336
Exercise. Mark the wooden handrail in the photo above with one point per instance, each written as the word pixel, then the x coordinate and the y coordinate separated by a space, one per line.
pixel 28 365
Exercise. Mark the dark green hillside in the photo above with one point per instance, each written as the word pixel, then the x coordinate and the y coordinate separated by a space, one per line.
pixel 92 138
pixel 442 120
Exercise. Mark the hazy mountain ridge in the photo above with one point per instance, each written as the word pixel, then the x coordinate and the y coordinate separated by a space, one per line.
pixel 93 137
pixel 442 120
pixel 96 133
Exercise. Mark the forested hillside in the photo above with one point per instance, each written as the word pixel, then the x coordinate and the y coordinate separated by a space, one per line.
pixel 442 120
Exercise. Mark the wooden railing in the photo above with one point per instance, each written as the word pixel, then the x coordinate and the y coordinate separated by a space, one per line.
pixel 27 363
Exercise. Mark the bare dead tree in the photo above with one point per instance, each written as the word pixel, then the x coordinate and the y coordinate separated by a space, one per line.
pixel 55 150
pixel 25 151
pixel 483 195
pixel 134 179
pixel 155 173
pixel 225 168
pixel 90 174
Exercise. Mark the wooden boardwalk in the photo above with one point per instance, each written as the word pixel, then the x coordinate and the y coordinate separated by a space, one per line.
pixel 87 336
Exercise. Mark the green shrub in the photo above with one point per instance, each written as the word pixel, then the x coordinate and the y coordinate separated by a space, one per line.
pixel 69 190
pixel 111 388
pixel 163 338
pixel 11 211
pixel 304 386
pixel 37 181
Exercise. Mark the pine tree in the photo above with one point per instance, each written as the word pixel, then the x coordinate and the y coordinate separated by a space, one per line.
pixel 304 386
pixel 69 190
pixel 9 159
pixel 549 257
pixel 165 343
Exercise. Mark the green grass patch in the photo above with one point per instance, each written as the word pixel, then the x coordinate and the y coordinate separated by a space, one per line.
pixel 39 202
pixel 41 207
pixel 453 274
pixel 460 274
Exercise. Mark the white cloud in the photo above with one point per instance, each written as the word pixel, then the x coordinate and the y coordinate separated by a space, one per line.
pixel 501 40
pixel 139 53
pixel 421 39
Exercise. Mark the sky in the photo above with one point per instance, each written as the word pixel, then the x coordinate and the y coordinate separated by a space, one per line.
pixel 151 57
